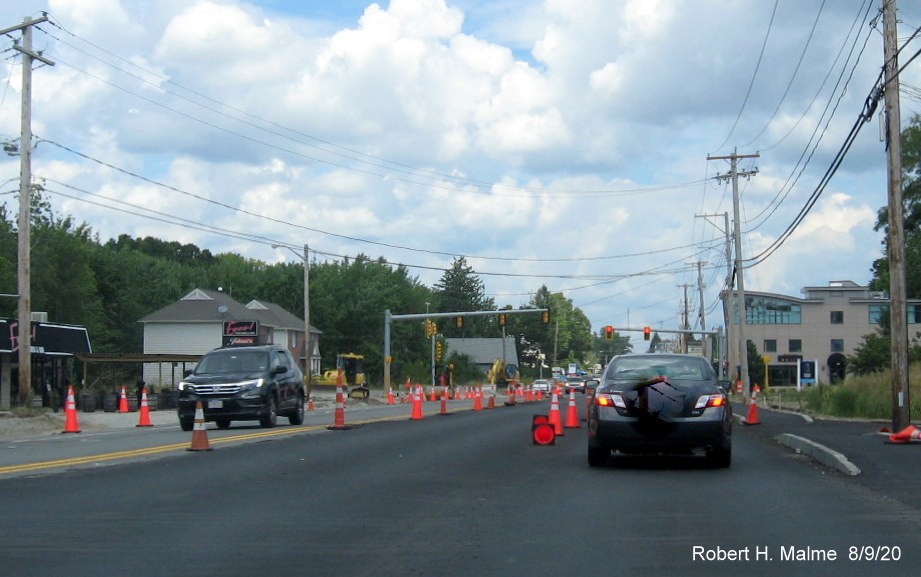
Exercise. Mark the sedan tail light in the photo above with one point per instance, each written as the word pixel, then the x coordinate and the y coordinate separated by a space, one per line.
pixel 705 401
pixel 610 400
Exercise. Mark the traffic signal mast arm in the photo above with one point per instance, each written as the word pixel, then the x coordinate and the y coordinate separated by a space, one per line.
pixel 420 316
pixel 670 331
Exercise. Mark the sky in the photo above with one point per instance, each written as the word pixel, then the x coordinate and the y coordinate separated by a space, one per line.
pixel 577 144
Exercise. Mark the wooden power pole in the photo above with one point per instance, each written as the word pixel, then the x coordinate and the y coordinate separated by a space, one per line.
pixel 897 286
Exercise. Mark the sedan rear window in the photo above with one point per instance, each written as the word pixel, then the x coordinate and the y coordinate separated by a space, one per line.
pixel 643 368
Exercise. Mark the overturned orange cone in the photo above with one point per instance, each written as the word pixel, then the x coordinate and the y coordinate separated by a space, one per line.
pixel 906 435
pixel 144 419
pixel 199 434
pixel 70 412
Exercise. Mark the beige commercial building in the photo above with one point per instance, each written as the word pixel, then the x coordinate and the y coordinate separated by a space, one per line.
pixel 825 325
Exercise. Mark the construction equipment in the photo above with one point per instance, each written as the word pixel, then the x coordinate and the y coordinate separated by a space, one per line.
pixel 501 374
pixel 354 374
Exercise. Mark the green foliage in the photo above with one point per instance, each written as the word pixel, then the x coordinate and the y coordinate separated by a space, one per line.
pixel 755 365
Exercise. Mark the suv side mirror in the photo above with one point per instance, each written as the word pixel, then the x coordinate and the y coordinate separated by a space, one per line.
pixel 280 370
pixel 726 386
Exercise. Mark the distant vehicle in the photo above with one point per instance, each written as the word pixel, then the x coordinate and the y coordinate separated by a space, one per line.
pixel 660 404
pixel 575 383
pixel 542 385
pixel 243 384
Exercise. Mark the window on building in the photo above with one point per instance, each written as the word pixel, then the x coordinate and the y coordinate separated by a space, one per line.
pixel 770 345
pixel 795 346
pixel 837 317
pixel 914 314
pixel 771 311
pixel 837 345
pixel 877 312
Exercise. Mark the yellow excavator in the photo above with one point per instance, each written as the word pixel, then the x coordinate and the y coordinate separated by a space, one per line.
pixel 353 375
pixel 500 374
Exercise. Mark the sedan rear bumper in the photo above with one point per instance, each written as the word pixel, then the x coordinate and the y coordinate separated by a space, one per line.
pixel 632 434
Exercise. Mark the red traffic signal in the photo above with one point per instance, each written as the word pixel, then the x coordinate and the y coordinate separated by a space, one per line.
pixel 647 333
pixel 609 333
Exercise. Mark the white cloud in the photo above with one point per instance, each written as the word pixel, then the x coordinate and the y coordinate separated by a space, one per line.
pixel 494 128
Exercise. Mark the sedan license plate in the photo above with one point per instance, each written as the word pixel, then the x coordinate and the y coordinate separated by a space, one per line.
pixel 215 404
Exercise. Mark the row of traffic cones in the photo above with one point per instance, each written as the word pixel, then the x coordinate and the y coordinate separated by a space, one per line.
pixel 71 422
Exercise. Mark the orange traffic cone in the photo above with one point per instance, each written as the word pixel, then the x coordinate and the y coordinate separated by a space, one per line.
pixel 418 399
pixel 339 418
pixel 906 435
pixel 123 401
pixel 572 414
pixel 511 396
pixel 478 400
pixel 199 434
pixel 555 418
pixel 311 405
pixel 752 418
pixel 144 420
pixel 390 399
pixel 491 404
pixel 70 412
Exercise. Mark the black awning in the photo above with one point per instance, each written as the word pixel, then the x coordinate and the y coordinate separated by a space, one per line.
pixel 46 338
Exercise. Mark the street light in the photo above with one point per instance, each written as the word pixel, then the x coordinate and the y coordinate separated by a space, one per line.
pixel 308 350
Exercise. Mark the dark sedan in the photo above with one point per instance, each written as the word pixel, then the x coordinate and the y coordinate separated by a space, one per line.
pixel 660 404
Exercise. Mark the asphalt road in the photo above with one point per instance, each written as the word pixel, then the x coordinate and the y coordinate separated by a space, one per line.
pixel 456 495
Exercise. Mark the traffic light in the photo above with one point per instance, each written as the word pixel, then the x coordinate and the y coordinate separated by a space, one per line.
pixel 545 317
pixel 647 333
pixel 609 333
pixel 502 319
pixel 459 322
pixel 438 350
pixel 431 329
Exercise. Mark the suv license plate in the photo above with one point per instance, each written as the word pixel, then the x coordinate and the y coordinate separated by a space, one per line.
pixel 215 404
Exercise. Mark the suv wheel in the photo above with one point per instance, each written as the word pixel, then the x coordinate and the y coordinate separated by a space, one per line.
pixel 223 423
pixel 297 417
pixel 186 424
pixel 270 417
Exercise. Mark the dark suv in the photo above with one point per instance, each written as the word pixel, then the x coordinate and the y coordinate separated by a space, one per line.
pixel 243 384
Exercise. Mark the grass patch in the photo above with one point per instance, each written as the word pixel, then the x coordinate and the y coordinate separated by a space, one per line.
pixel 863 397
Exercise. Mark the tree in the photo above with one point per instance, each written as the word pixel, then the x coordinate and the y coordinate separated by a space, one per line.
pixel 459 289
pixel 911 199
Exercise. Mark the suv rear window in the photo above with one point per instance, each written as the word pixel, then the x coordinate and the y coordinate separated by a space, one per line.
pixel 222 362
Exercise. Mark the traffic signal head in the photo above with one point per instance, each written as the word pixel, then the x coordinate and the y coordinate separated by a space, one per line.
pixel 438 350
pixel 545 317
pixel 609 333
pixel 647 333
pixel 502 319
pixel 459 322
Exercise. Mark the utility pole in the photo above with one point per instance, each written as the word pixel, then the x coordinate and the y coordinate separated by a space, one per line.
pixel 683 337
pixel 24 269
pixel 741 344
pixel 701 314
pixel 897 284
pixel 728 299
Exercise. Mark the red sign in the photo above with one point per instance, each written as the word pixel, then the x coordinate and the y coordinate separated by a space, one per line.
pixel 241 328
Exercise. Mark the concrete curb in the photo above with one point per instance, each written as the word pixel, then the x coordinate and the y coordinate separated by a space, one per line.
pixel 828 457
